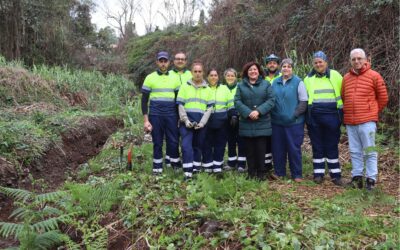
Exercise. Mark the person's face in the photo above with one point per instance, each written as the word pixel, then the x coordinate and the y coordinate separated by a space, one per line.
pixel 162 64
pixel 180 61
pixel 212 77
pixel 287 70
pixel 230 77
pixel 272 66
pixel 357 60
pixel 320 65
pixel 197 73
pixel 253 72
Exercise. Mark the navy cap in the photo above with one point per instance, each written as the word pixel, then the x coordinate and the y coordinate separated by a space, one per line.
pixel 320 54
pixel 162 54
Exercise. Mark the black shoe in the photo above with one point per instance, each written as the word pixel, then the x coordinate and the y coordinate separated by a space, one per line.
pixel 356 182
pixel 370 184
pixel 319 179
pixel 338 182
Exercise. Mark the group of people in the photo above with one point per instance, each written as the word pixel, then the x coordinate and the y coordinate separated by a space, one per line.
pixel 261 117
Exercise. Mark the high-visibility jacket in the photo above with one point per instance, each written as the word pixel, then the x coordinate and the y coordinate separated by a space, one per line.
pixel 324 90
pixel 231 105
pixel 222 97
pixel 162 89
pixel 195 99
pixel 181 77
pixel 271 79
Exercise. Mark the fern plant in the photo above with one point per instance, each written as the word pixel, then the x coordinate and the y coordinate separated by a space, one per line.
pixel 38 226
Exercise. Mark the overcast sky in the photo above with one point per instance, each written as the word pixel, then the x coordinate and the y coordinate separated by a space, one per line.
pixel 98 16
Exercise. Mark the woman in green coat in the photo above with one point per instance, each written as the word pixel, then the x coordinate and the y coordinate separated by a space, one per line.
pixel 254 101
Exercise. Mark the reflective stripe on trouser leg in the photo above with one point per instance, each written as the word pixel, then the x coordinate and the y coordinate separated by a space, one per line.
pixel 157 165
pixel 315 133
pixel 172 139
pixel 217 166
pixel 331 137
pixel 157 135
pixel 187 149
pixel 167 161
pixel 232 142
pixel 207 151
pixel 196 166
pixel 208 167
pixel 198 140
pixel 268 155
pixel 241 152
pixel 219 148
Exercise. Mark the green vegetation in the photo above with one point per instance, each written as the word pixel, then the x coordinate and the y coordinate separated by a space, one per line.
pixel 36 105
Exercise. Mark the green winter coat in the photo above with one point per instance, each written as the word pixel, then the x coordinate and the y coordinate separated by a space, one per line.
pixel 249 97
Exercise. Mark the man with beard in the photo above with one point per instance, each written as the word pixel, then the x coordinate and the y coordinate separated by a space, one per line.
pixel 272 68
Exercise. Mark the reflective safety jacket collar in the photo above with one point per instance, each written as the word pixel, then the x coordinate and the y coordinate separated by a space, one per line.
pixel 319 75
pixel 162 73
pixel 202 85
pixel 183 70
pixel 230 87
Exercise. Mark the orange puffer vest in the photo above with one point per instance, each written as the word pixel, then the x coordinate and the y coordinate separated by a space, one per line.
pixel 364 95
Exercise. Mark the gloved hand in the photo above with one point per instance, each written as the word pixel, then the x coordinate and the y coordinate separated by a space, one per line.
pixel 188 124
pixel 234 121
pixel 199 125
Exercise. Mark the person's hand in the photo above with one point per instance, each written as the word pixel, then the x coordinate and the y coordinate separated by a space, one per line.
pixel 199 125
pixel 188 124
pixel 234 121
pixel 254 115
pixel 147 127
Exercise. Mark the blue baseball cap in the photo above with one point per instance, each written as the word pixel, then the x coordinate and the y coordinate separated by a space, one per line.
pixel 162 54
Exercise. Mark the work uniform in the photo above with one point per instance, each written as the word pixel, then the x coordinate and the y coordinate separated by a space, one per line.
pixel 163 116
pixel 180 77
pixel 216 135
pixel 271 79
pixel 235 159
pixel 268 155
pixel 195 100
pixel 324 117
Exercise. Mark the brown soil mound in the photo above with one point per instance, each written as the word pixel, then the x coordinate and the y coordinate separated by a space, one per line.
pixel 78 146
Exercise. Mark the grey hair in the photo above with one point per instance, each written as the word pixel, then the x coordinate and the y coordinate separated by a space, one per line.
pixel 358 50
pixel 287 61
pixel 230 70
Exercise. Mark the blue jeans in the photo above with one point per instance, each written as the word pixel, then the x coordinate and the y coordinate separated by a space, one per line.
pixel 362 149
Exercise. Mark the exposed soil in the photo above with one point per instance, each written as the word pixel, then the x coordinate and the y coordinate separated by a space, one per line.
pixel 78 145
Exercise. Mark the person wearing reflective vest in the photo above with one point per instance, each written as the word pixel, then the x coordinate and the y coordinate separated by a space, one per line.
pixel 216 135
pixel 236 159
pixel 162 118
pixel 195 105
pixel 272 68
pixel 324 117
pixel 288 121
pixel 180 74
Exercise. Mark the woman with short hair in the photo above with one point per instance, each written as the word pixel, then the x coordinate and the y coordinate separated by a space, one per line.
pixel 288 121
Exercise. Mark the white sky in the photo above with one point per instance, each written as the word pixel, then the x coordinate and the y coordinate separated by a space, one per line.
pixel 98 16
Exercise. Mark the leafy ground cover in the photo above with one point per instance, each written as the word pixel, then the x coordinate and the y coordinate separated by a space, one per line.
pixel 101 205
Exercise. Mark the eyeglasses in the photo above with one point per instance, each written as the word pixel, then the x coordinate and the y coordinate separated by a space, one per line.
pixel 357 59
pixel 180 59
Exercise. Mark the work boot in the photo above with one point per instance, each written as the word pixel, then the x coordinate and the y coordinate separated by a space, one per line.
pixel 338 182
pixel 272 176
pixel 318 179
pixel 356 182
pixel 370 184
